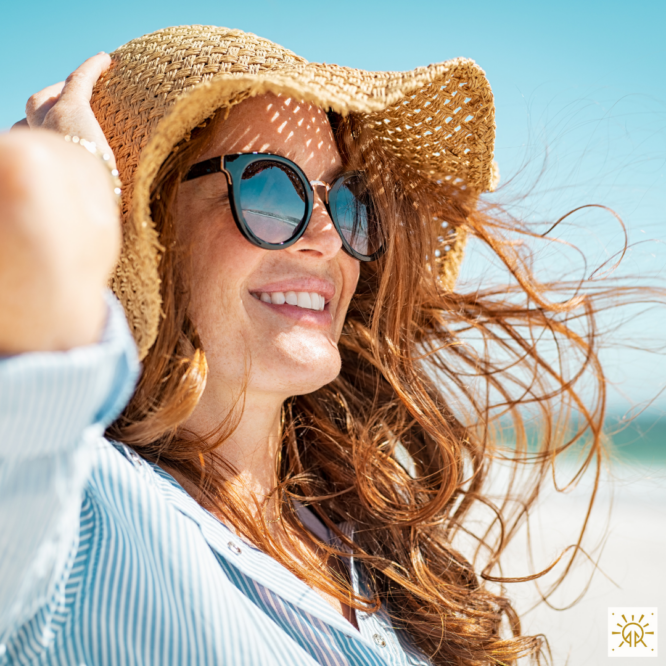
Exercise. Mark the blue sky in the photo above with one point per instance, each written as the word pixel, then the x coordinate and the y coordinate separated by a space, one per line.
pixel 579 84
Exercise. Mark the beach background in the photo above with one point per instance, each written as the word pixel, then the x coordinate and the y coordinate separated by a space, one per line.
pixel 581 99
pixel 623 564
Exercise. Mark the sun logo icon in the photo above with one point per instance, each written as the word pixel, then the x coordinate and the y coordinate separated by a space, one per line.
pixel 632 632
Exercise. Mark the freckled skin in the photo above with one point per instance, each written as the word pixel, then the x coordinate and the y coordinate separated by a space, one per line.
pixel 237 330
pixel 243 337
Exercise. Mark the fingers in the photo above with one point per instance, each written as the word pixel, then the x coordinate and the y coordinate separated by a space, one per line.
pixel 21 124
pixel 65 107
pixel 76 89
pixel 41 103
pixel 79 84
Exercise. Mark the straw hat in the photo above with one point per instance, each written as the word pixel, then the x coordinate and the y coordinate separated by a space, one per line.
pixel 439 119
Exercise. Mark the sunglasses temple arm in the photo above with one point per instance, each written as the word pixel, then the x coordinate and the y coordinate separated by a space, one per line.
pixel 207 167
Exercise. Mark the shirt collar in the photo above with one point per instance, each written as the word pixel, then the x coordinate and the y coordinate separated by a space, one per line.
pixel 246 557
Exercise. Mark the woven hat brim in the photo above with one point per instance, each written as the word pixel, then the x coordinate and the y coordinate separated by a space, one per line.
pixel 410 112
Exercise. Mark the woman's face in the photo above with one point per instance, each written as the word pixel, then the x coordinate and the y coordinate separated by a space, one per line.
pixel 286 349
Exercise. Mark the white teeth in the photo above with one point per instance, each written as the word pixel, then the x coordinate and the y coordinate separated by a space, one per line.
pixel 302 299
pixel 318 301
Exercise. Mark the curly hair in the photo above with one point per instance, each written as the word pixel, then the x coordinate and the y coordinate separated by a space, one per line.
pixel 402 442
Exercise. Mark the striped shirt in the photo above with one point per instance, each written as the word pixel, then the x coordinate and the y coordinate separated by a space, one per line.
pixel 105 559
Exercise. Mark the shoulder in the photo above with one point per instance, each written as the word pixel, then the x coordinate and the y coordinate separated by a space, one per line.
pixel 125 488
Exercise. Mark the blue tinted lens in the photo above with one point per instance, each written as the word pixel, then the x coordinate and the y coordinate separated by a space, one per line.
pixel 354 213
pixel 272 201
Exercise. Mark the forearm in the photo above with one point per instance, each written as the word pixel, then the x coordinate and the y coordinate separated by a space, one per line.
pixel 59 240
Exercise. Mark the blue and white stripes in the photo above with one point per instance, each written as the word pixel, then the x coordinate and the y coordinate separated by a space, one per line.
pixel 104 559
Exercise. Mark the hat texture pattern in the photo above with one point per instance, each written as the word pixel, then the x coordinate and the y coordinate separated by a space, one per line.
pixel 437 119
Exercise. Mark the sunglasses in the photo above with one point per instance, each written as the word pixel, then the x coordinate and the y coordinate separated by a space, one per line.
pixel 272 201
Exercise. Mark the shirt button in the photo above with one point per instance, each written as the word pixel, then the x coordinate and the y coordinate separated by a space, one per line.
pixel 234 548
pixel 379 640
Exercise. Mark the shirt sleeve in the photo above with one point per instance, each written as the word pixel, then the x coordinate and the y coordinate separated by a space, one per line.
pixel 54 407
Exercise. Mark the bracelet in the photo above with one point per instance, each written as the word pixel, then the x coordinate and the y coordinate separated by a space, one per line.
pixel 91 147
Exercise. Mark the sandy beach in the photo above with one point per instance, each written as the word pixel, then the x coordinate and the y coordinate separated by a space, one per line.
pixel 628 536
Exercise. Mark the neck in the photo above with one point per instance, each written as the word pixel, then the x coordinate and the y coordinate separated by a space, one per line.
pixel 253 446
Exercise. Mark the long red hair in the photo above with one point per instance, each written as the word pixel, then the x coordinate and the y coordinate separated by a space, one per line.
pixel 401 443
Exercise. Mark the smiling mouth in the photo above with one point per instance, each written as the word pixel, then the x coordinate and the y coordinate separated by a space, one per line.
pixel 307 300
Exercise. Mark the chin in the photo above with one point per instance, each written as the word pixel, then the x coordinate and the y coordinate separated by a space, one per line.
pixel 304 373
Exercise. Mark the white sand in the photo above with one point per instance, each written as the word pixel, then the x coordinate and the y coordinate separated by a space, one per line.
pixel 633 557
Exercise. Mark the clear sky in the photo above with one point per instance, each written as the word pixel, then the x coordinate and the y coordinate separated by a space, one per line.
pixel 580 82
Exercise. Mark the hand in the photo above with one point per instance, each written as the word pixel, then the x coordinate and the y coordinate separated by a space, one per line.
pixel 65 107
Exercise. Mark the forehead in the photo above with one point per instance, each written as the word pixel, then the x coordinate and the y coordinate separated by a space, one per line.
pixel 281 125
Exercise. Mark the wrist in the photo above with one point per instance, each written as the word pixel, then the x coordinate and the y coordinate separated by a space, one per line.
pixel 105 157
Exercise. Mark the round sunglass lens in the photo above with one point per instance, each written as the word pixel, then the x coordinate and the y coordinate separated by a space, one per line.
pixel 355 215
pixel 272 201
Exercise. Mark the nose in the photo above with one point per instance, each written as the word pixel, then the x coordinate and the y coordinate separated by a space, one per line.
pixel 321 238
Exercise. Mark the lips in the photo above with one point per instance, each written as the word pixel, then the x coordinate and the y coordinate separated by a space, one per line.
pixel 304 296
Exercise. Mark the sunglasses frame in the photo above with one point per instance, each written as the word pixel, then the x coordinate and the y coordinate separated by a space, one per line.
pixel 233 166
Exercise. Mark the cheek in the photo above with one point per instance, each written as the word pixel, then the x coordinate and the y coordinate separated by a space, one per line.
pixel 219 261
pixel 350 269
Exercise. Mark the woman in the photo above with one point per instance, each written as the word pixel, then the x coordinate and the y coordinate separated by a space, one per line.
pixel 289 478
